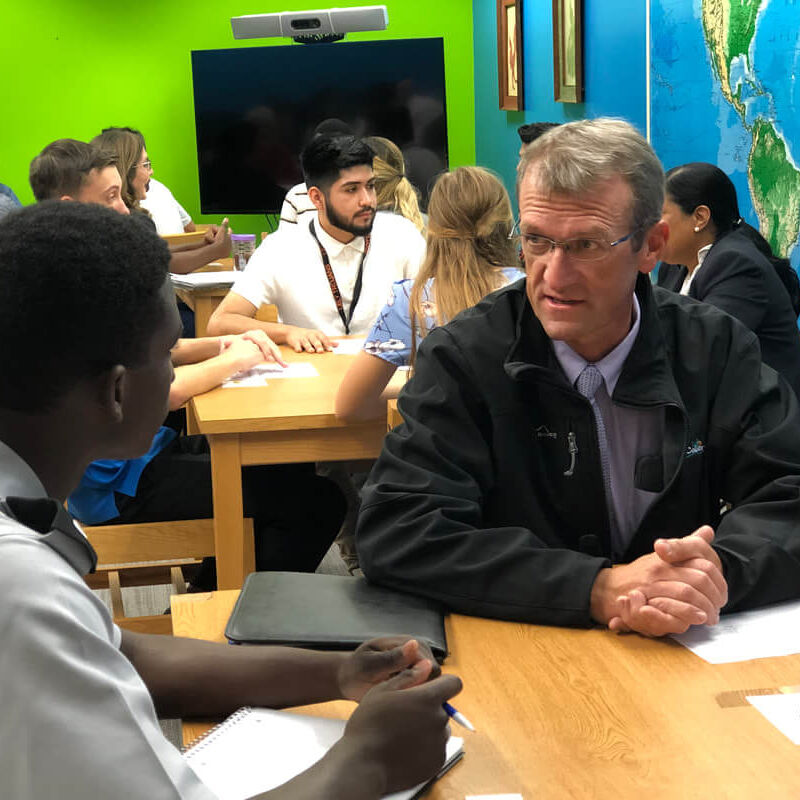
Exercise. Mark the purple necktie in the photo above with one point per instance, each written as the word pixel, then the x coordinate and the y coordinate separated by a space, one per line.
pixel 589 381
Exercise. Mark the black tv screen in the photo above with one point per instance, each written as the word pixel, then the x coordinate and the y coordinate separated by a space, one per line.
pixel 255 108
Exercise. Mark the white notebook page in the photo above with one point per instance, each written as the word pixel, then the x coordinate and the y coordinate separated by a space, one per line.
pixel 258 749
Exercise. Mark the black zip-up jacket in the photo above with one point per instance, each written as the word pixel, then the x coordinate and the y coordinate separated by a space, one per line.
pixel 469 502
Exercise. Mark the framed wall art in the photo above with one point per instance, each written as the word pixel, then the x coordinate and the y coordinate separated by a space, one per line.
pixel 568 51
pixel 509 54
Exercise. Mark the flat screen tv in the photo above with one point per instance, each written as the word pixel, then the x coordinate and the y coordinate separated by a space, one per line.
pixel 256 107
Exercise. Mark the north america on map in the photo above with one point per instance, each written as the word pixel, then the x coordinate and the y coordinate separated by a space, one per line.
pixel 723 91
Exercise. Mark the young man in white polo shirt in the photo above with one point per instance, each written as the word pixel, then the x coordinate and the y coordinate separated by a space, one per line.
pixel 330 276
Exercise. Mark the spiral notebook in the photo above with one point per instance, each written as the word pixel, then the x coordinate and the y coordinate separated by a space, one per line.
pixel 257 749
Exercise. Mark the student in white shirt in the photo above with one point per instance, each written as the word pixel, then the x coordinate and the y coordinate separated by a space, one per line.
pixel 136 171
pixel 366 252
pixel 167 213
pixel 296 205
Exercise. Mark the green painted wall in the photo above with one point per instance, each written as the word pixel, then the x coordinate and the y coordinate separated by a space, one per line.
pixel 72 67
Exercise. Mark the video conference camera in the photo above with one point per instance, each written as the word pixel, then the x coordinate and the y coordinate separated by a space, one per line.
pixel 307 27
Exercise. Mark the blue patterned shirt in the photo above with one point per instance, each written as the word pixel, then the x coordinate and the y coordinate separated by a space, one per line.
pixel 390 337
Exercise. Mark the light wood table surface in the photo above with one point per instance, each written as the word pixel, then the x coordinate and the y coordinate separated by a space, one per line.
pixel 583 714
pixel 290 420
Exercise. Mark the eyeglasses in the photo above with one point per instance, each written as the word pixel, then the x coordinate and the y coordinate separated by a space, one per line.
pixel 147 164
pixel 581 248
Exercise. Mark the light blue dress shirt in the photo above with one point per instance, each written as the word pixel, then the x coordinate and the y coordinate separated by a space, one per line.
pixel 631 432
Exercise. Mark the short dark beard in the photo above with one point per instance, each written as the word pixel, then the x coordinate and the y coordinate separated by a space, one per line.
pixel 343 225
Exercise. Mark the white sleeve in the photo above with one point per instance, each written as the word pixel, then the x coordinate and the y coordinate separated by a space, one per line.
pixel 77 721
pixel 415 250
pixel 184 214
pixel 257 283
pixel 288 211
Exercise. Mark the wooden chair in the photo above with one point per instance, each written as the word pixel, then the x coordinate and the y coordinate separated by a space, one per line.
pixel 150 553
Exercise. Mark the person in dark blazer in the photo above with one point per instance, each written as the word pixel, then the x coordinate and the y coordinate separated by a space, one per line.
pixel 713 256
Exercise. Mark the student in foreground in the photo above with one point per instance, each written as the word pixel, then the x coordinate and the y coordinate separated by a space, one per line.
pixel 468 254
pixel 79 696
pixel 583 421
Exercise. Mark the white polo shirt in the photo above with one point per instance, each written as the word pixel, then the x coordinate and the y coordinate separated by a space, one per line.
pixel 287 271
pixel 167 213
pixel 77 720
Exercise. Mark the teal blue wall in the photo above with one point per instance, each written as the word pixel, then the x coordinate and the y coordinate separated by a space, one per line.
pixel 615 70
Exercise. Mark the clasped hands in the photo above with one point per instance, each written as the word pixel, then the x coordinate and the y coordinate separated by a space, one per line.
pixel 678 585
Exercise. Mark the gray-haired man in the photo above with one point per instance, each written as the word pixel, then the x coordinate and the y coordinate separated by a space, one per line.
pixel 581 420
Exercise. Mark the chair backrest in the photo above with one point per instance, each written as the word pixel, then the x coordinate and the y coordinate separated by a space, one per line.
pixel 152 541
pixel 149 553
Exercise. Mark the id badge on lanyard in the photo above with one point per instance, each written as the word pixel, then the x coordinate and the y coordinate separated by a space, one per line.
pixel 337 295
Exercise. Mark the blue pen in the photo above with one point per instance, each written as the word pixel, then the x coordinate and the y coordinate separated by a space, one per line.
pixel 458 717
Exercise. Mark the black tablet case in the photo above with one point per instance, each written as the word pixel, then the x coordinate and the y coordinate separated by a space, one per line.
pixel 329 612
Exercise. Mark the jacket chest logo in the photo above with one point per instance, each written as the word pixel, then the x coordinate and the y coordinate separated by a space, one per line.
pixel 694 448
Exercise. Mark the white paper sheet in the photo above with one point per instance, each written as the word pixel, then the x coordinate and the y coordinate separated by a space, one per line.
pixel 349 347
pixel 257 376
pixel 257 749
pixel 782 710
pixel 203 280
pixel 493 797
pixel 763 633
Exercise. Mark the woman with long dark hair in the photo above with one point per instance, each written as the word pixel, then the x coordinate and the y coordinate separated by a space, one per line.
pixel 715 257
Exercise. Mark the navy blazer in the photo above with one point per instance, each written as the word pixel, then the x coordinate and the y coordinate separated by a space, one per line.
pixel 738 278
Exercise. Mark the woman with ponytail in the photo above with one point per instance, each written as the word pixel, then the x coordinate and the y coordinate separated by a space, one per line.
pixel 395 192
pixel 713 256
pixel 469 254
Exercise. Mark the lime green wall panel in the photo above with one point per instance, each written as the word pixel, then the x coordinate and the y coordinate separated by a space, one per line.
pixel 72 67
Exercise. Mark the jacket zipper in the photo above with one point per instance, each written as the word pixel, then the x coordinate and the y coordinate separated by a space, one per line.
pixel 572 449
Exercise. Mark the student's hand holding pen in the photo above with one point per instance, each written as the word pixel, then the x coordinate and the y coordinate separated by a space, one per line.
pixel 400 727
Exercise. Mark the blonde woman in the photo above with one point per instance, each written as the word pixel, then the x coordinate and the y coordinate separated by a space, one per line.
pixel 395 192
pixel 469 255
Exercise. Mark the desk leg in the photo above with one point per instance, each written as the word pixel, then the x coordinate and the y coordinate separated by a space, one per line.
pixel 234 550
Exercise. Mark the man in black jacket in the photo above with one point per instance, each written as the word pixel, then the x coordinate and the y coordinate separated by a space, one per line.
pixel 583 421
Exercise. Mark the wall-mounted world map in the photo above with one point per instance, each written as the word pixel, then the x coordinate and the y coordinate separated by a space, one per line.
pixel 724 89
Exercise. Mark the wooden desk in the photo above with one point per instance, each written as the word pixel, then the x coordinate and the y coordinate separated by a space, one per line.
pixel 588 714
pixel 205 301
pixel 288 421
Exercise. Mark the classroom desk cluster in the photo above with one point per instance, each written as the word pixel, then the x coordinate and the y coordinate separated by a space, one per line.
pixel 560 713
pixel 287 421
pixel 564 713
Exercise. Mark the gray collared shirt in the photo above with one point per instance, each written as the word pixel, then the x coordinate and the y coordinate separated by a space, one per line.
pixel 77 721
pixel 632 433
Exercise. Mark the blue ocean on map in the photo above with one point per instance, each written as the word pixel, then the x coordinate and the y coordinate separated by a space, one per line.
pixel 690 118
